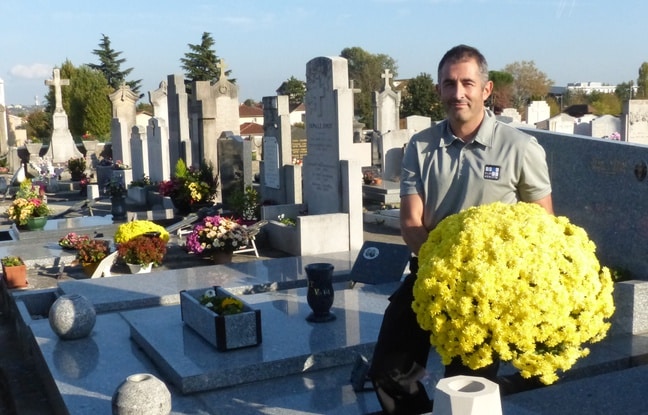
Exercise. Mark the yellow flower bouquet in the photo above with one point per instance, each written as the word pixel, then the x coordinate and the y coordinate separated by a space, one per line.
pixel 514 283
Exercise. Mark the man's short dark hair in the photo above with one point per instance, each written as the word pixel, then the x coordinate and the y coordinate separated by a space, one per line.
pixel 462 53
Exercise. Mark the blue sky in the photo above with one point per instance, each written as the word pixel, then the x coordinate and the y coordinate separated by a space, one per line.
pixel 266 42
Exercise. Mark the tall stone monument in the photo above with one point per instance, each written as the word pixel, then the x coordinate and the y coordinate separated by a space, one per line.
pixel 280 179
pixel 215 111
pixel 124 112
pixel 386 104
pixel 62 146
pixel 178 110
pixel 332 177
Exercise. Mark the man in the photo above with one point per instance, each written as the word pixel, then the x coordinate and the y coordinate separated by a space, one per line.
pixel 469 159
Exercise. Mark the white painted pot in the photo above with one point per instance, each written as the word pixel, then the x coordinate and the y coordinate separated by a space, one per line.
pixel 139 268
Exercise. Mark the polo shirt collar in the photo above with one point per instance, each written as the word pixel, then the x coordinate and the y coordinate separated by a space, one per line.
pixel 484 135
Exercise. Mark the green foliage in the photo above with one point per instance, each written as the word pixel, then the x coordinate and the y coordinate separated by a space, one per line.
pixel 202 63
pixel 294 89
pixel 110 66
pixel 84 100
pixel 502 89
pixel 39 126
pixel 642 82
pixel 422 98
pixel 11 261
pixel 605 104
pixel 365 70
pixel 246 203
pixel 624 90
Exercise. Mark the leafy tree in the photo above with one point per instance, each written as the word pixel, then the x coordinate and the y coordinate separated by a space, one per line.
pixel 201 63
pixel 642 82
pixel 422 98
pixel 502 94
pixel 294 89
pixel 624 90
pixel 365 70
pixel 85 101
pixel 605 103
pixel 529 84
pixel 110 66
pixel 39 126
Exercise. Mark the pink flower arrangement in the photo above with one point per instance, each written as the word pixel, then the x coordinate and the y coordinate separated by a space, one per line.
pixel 217 233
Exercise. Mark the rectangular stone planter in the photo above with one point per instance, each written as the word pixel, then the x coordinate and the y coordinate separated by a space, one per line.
pixel 225 332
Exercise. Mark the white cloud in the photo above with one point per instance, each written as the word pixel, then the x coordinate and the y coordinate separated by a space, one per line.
pixel 33 71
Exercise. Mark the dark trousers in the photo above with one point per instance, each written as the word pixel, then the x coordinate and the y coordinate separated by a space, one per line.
pixel 401 354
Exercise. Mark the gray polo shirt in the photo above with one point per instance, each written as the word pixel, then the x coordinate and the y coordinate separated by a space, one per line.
pixel 500 164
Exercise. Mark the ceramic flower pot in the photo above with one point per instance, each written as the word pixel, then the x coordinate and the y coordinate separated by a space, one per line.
pixel 15 276
pixel 35 224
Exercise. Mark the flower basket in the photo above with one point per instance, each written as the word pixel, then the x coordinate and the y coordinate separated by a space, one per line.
pixel 225 332
pixel 514 283
pixel 217 233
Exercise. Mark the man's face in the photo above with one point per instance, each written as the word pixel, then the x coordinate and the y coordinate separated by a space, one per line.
pixel 463 92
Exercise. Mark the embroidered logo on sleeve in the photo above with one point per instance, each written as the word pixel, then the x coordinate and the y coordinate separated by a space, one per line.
pixel 491 172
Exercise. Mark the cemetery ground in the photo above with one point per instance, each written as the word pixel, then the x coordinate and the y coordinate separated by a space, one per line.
pixel 21 387
pixel 612 380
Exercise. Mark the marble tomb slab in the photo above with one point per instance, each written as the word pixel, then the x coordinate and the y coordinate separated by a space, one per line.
pixel 291 345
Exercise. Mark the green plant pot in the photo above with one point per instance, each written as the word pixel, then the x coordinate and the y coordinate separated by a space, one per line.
pixel 36 224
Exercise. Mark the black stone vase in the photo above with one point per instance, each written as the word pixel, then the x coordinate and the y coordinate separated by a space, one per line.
pixel 320 293
pixel 118 207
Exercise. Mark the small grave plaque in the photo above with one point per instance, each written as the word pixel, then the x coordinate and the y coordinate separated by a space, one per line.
pixel 380 262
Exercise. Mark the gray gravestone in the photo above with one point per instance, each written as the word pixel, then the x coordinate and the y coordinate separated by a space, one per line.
pixel 235 168
pixel 271 176
pixel 178 110
pixel 605 125
pixel 158 150
pixel 634 121
pixel 139 152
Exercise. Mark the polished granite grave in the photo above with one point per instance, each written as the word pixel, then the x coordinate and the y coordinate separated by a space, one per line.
pixel 290 344
pixel 310 363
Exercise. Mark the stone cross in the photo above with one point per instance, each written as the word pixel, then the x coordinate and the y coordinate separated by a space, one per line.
pixel 57 82
pixel 387 76
pixel 221 65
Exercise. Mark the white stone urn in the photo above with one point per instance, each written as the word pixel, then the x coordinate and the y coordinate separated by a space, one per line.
pixel 141 394
pixel 72 316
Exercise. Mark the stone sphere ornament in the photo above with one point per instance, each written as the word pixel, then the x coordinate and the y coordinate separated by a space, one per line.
pixel 141 394
pixel 72 316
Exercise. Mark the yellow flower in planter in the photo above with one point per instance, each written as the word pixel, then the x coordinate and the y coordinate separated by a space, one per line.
pixel 129 230
pixel 515 283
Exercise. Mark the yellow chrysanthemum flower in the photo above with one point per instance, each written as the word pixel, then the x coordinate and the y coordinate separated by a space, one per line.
pixel 515 283
pixel 129 230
